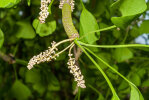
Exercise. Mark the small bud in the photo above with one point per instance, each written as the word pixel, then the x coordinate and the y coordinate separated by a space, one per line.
pixel 70 55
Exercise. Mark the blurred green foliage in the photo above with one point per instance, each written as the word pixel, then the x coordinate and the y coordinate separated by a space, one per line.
pixel 22 36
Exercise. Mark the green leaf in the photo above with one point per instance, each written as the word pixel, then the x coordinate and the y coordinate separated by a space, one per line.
pixel 34 77
pixel 134 90
pixel 93 32
pixel 122 54
pixel 1 38
pixel 135 79
pixel 40 88
pixel 100 7
pixel 123 85
pixel 44 29
pixel 115 96
pixel 135 94
pixel 20 91
pixel 144 27
pixel 22 72
pixel 101 97
pixel 53 83
pixel 145 83
pixel 106 56
pixel 130 9
pixel 141 71
pixel 135 32
pixel 29 2
pixel 50 5
pixel 147 5
pixel 116 33
pixel 112 74
pixel 8 3
pixel 88 24
pixel 114 46
pixel 25 30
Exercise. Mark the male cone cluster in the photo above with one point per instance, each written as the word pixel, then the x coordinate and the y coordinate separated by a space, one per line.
pixel 75 70
pixel 44 10
pixel 67 7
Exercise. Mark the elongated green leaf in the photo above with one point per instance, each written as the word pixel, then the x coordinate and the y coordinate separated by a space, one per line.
pixel 136 7
pixel 44 29
pixel 134 90
pixel 115 96
pixel 88 23
pixel 50 5
pixel 20 91
pixel 25 30
pixel 8 3
pixel 135 93
pixel 93 32
pixel 1 38
pixel 100 97
pixel 113 46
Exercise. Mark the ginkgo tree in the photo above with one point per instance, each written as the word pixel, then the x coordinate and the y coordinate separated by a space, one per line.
pixel 97 52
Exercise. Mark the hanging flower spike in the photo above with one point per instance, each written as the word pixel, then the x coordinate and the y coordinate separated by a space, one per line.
pixel 61 4
pixel 44 10
pixel 75 70
pixel 71 4
pixel 47 55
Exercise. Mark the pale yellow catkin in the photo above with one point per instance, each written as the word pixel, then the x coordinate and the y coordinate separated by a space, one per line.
pixel 75 70
pixel 44 10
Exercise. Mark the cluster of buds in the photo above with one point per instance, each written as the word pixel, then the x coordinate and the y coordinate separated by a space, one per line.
pixel 75 70
pixel 61 4
pixel 71 4
pixel 47 55
pixel 44 10
pixel 51 53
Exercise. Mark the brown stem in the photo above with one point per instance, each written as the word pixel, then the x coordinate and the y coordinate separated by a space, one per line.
pixel 8 58
pixel 77 54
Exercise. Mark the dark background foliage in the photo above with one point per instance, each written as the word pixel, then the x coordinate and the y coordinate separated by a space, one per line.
pixel 23 38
